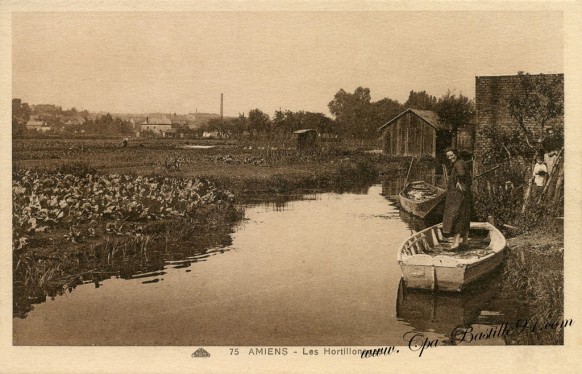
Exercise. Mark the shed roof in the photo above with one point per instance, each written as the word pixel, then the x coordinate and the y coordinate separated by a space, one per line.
pixel 427 116
pixel 303 131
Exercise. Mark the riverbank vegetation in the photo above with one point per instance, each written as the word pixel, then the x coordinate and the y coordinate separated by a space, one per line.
pixel 533 280
pixel 531 217
pixel 72 227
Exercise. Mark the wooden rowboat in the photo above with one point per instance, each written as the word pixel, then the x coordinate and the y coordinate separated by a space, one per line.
pixel 426 261
pixel 421 198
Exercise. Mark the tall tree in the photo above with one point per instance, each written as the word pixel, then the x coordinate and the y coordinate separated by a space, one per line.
pixel 420 100
pixel 353 112
pixel 538 100
pixel 239 126
pixel 20 116
pixel 318 121
pixel 455 111
pixel 384 110
pixel 259 122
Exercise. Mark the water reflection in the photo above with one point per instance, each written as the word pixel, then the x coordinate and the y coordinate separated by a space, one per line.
pixel 102 263
pixel 441 313
pixel 279 202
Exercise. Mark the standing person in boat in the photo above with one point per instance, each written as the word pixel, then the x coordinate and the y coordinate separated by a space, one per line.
pixel 459 200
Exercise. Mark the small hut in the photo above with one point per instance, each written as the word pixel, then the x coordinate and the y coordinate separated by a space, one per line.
pixel 306 139
pixel 415 133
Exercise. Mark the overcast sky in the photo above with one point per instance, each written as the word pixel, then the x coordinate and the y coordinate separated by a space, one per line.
pixel 180 62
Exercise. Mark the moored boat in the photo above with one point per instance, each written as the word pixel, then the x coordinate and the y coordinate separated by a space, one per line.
pixel 427 262
pixel 421 198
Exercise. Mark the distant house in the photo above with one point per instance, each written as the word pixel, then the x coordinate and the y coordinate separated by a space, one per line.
pixel 37 125
pixel 415 133
pixel 306 139
pixel 155 126
pixel 75 121
pixel 172 133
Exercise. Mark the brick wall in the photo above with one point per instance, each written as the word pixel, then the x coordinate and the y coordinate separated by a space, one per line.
pixel 492 103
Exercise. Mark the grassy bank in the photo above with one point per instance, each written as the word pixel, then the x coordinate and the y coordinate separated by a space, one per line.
pixel 533 280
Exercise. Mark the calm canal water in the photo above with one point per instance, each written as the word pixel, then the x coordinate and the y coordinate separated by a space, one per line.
pixel 317 271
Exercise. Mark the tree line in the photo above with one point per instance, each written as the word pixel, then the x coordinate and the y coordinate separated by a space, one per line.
pixel 66 121
pixel 355 115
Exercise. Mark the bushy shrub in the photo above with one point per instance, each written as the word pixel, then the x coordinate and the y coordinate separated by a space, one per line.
pixel 500 193
pixel 502 145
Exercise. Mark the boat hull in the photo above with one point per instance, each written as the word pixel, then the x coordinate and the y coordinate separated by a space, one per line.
pixel 426 207
pixel 444 272
pixel 444 278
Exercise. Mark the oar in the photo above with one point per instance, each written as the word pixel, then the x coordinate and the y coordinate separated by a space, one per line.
pixel 407 175
pixel 486 171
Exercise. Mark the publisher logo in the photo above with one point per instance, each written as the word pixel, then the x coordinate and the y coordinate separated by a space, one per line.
pixel 200 352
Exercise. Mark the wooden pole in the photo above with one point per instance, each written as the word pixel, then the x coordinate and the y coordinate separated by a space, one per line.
pixel 408 174
pixel 487 171
pixel 551 176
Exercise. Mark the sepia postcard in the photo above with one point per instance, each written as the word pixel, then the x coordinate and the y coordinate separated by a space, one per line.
pixel 290 187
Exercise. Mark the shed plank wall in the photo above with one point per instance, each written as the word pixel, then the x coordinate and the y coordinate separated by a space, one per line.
pixel 410 136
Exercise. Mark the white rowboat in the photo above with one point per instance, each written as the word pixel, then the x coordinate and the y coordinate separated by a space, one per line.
pixel 426 261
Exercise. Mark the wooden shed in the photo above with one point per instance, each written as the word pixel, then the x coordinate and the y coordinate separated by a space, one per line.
pixel 415 133
pixel 306 139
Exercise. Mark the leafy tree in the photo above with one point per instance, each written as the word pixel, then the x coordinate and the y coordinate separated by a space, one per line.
pixel 353 112
pixel 285 122
pixel 214 124
pixel 456 111
pixel 240 125
pixel 279 121
pixel 318 121
pixel 259 122
pixel 421 100
pixel 537 102
pixel 20 116
pixel 504 144
pixel 108 125
pixel 384 110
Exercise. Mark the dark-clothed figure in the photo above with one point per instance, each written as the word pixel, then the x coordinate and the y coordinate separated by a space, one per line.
pixel 457 215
